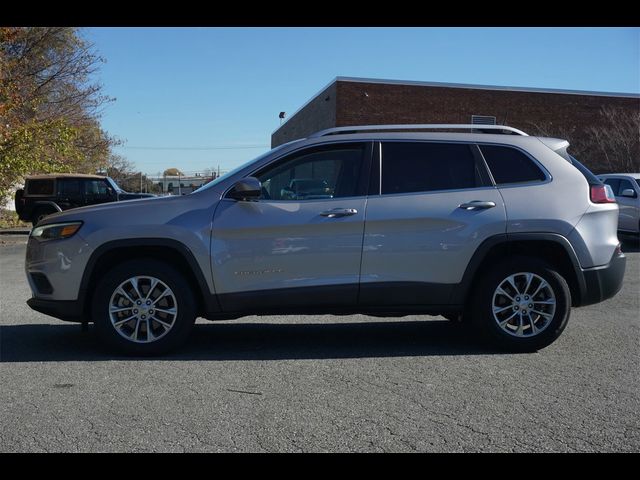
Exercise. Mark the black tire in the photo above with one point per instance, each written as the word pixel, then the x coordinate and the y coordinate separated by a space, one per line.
pixel 39 214
pixel 181 323
pixel 551 325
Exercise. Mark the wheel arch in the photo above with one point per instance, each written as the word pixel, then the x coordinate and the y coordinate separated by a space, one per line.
pixel 552 248
pixel 170 251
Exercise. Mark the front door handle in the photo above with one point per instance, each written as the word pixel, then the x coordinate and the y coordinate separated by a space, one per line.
pixel 477 205
pixel 339 212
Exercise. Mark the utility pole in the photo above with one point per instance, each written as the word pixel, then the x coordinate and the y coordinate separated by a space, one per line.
pixel 140 181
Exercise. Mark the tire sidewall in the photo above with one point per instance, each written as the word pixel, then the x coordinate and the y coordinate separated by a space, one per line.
pixel 144 267
pixel 483 305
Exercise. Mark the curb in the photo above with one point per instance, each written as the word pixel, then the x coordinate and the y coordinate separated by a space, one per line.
pixel 11 231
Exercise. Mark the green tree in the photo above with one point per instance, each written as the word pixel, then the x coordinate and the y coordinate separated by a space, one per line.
pixel 49 106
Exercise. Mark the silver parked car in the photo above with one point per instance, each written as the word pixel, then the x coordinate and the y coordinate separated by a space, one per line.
pixel 626 188
pixel 501 230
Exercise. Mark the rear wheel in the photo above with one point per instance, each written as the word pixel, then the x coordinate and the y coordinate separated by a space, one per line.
pixel 522 304
pixel 143 307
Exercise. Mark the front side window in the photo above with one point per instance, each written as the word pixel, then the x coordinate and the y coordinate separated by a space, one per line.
pixel 509 165
pixel 95 188
pixel 423 167
pixel 624 185
pixel 320 173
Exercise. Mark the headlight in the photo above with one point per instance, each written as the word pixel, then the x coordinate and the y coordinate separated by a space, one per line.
pixel 56 231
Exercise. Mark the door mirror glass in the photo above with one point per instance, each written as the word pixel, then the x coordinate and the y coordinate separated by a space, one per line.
pixel 247 189
pixel 628 192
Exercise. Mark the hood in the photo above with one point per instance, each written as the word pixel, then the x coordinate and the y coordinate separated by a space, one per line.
pixel 125 210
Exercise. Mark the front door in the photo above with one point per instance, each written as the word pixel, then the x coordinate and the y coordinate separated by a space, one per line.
pixel 300 244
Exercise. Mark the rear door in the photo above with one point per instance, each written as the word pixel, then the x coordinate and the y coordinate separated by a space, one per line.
pixel 433 206
pixel 70 193
pixel 295 250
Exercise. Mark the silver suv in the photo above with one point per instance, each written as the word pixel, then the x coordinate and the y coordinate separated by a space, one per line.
pixel 500 230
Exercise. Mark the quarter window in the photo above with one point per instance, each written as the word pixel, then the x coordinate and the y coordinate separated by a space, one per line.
pixel 423 167
pixel 40 187
pixel 315 174
pixel 509 165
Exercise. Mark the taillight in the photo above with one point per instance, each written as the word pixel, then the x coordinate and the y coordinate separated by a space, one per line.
pixel 602 194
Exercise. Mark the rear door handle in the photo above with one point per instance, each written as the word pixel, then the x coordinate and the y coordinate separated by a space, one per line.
pixel 477 205
pixel 339 212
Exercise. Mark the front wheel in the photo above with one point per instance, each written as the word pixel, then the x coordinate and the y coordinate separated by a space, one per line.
pixel 143 307
pixel 523 304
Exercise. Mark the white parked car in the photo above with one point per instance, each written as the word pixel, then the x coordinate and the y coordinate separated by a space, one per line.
pixel 626 188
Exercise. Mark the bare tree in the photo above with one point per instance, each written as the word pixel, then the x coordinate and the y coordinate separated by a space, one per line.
pixel 610 144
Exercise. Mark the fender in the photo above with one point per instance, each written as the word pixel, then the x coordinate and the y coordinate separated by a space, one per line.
pixel 210 301
pixel 506 240
pixel 46 203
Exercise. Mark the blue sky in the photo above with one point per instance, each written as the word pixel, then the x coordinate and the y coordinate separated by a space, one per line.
pixel 181 89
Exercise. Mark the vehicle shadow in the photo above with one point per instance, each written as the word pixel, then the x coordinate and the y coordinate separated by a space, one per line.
pixel 254 341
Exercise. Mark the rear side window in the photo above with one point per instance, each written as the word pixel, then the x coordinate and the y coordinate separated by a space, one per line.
pixel 70 187
pixel 422 167
pixel 509 165
pixel 40 187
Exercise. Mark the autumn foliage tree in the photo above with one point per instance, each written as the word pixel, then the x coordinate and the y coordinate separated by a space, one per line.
pixel 49 105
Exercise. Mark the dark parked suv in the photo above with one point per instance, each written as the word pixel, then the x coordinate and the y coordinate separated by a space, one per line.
pixel 46 194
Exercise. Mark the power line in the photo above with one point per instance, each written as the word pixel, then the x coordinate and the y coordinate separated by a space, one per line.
pixel 229 147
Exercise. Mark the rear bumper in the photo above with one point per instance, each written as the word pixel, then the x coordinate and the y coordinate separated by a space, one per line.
pixel 603 282
pixel 67 310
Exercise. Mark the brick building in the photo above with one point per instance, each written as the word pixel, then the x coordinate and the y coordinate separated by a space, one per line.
pixel 563 113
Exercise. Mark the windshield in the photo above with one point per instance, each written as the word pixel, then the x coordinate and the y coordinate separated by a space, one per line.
pixel 114 185
pixel 221 178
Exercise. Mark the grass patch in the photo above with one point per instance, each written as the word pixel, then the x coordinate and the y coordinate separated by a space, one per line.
pixel 9 219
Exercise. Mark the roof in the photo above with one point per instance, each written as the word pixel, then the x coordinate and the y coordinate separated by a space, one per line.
pixel 63 175
pixel 634 175
pixel 485 87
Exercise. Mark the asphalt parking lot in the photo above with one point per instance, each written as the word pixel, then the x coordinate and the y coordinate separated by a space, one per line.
pixel 320 383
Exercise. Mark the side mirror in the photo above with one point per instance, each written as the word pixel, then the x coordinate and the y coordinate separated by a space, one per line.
pixel 628 192
pixel 247 189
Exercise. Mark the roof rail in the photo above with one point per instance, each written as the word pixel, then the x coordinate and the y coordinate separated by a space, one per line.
pixel 435 126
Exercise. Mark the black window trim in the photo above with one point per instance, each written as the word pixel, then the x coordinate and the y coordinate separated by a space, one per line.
pixel 363 182
pixel 547 174
pixel 52 194
pixel 485 173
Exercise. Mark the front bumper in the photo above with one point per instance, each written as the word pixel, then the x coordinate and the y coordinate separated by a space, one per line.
pixel 603 282
pixel 67 310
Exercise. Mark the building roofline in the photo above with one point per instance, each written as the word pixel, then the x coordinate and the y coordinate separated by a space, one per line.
pixel 486 87
pixel 456 85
